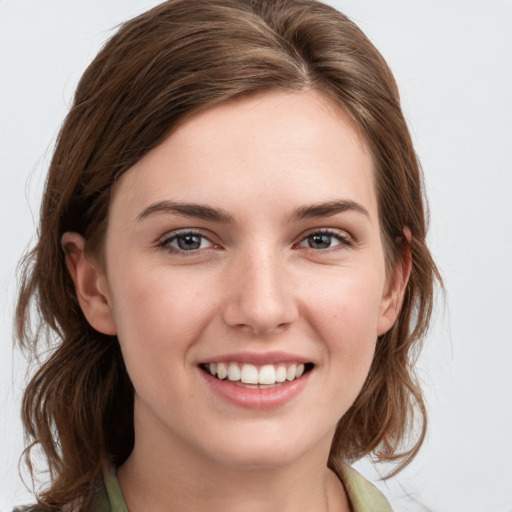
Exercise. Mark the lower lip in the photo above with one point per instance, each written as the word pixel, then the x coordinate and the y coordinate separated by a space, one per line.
pixel 255 398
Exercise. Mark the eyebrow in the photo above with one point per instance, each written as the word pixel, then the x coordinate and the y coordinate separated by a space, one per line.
pixel 197 211
pixel 328 209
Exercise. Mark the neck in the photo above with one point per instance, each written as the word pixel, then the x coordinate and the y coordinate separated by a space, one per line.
pixel 173 477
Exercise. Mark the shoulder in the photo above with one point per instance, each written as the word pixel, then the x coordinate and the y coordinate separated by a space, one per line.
pixel 106 497
pixel 109 497
pixel 362 494
pixel 39 508
pixel 31 508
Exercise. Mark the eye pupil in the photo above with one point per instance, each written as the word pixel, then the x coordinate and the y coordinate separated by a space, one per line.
pixel 319 241
pixel 189 242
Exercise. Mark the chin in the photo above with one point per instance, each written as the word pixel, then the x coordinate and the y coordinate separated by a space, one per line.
pixel 263 448
pixel 255 458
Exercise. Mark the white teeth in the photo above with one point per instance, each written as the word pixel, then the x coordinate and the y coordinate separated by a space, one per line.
pixel 291 372
pixel 222 371
pixel 267 375
pixel 249 374
pixel 281 373
pixel 233 372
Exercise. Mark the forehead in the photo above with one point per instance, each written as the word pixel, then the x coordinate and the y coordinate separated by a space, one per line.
pixel 276 148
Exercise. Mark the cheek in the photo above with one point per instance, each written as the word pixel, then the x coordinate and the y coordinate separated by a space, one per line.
pixel 345 316
pixel 348 304
pixel 159 316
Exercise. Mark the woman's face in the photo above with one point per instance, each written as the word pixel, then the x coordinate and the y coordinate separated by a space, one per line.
pixel 248 243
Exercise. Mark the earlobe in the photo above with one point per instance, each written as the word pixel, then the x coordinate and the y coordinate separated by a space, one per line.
pixel 90 284
pixel 392 300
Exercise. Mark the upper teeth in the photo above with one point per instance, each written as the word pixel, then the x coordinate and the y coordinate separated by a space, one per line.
pixel 250 374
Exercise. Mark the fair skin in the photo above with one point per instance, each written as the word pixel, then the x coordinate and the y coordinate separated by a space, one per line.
pixel 250 236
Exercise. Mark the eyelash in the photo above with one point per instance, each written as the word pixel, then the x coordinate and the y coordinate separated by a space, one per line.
pixel 166 242
pixel 345 241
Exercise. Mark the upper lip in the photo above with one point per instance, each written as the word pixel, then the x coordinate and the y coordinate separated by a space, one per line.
pixel 258 358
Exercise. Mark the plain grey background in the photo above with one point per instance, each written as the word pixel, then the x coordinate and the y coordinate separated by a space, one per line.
pixel 453 63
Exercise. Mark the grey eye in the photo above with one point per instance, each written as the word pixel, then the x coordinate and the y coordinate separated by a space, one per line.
pixel 188 242
pixel 320 241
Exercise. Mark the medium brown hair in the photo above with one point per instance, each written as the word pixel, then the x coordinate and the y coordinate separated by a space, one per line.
pixel 178 58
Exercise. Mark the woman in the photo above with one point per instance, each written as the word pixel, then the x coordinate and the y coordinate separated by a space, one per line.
pixel 232 254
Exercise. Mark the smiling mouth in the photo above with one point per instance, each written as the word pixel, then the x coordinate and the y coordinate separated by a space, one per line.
pixel 252 376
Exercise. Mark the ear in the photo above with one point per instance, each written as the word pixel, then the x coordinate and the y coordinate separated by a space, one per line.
pixel 90 284
pixel 395 289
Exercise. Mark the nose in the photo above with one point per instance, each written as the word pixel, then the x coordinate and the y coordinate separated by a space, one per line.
pixel 260 294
